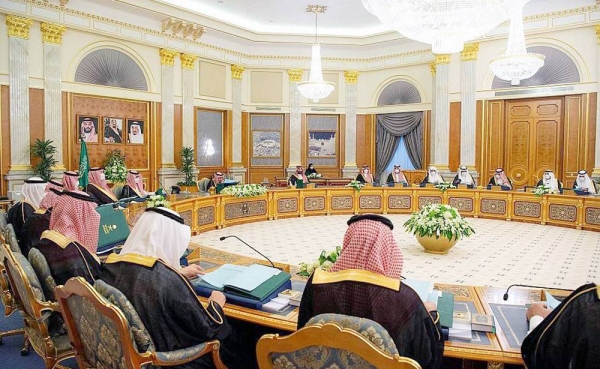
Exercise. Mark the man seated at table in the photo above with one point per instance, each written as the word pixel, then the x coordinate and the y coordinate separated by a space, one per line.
pixel 311 170
pixel 396 176
pixel 206 184
pixel 70 180
pixel 134 186
pixel 70 244
pixel 32 193
pixel 365 282
pixel 584 183
pixel 566 337
pixel 500 179
pixel 550 181
pixel 433 176
pixel 148 272
pixel 98 188
pixel 298 175
pixel 464 177
pixel 365 175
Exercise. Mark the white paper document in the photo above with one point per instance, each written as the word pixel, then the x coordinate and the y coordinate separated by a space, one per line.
pixel 246 278
pixel 422 288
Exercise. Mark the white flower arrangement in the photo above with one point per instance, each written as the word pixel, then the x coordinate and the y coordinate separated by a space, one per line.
pixel 357 185
pixel 114 168
pixel 542 190
pixel 439 220
pixel 443 186
pixel 314 175
pixel 325 261
pixel 245 190
pixel 156 201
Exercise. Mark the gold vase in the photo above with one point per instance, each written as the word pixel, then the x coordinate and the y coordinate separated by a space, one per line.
pixel 434 245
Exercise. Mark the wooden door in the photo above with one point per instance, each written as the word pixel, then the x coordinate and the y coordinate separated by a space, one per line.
pixel 533 139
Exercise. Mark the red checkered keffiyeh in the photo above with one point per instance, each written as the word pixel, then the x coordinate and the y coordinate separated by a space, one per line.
pixel 137 187
pixel 370 245
pixel 50 198
pixel 77 219
pixel 70 181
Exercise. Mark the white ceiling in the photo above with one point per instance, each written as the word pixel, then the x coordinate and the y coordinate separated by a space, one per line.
pixel 343 17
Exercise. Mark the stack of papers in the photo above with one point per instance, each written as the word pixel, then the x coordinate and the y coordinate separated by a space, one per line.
pixel 245 278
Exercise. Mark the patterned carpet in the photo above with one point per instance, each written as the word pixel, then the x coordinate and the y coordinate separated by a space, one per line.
pixel 499 254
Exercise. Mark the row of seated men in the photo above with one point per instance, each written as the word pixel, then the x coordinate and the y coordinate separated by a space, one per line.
pixel 365 282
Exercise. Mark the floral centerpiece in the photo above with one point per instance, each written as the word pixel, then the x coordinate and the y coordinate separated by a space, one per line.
pixel 357 185
pixel 156 201
pixel 325 261
pixel 245 190
pixel 443 186
pixel 114 167
pixel 439 220
pixel 314 175
pixel 542 190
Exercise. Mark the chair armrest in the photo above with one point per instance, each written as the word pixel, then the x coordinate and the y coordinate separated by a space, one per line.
pixel 182 356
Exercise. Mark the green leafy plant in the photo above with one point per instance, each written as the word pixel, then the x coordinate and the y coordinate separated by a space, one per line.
pixel 44 150
pixel 357 185
pixel 314 175
pixel 325 261
pixel 439 220
pixel 443 186
pixel 542 190
pixel 114 167
pixel 245 190
pixel 187 166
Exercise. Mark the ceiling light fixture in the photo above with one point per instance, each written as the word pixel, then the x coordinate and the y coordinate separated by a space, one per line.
pixel 516 63
pixel 444 24
pixel 316 88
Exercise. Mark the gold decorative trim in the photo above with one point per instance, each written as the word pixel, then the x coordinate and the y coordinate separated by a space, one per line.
pixel 188 61
pixel 236 71
pixel 167 57
pixel 56 237
pixel 52 33
pixel 295 75
pixel 432 68
pixel 18 26
pixel 597 28
pixel 19 167
pixel 351 77
pixel 357 275
pixel 442 58
pixel 470 51
pixel 131 258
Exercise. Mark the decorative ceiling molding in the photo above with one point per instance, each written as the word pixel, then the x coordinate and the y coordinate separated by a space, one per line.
pixel 176 26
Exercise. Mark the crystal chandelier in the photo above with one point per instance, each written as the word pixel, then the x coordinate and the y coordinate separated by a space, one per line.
pixel 516 64
pixel 445 24
pixel 316 88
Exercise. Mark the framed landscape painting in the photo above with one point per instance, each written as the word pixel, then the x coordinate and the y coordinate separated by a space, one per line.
pixel 322 144
pixel 266 143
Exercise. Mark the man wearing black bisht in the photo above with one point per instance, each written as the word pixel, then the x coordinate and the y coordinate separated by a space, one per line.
pixel 568 336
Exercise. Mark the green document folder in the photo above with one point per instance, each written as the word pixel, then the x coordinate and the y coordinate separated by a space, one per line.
pixel 113 228
pixel 263 290
pixel 445 308
pixel 299 183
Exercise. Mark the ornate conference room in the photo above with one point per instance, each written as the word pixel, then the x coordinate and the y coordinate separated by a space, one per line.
pixel 223 105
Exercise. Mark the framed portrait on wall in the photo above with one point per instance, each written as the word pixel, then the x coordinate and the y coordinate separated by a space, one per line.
pixel 113 130
pixel 322 144
pixel 87 128
pixel 135 131
pixel 266 144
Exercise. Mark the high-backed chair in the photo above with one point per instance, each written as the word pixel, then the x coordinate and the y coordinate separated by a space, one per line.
pixel 3 219
pixel 330 341
pixel 11 238
pixel 29 297
pixel 101 317
pixel 7 298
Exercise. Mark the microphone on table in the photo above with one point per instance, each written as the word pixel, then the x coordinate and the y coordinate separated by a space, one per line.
pixel 245 243
pixel 526 285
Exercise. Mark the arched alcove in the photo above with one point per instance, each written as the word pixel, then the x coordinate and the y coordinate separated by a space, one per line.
pixel 398 93
pixel 110 67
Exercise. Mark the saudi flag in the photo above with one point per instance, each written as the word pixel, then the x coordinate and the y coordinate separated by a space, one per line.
pixel 84 166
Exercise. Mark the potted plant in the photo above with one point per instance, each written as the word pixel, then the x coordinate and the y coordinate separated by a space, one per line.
pixel 44 151
pixel 438 227
pixel 187 168
pixel 114 167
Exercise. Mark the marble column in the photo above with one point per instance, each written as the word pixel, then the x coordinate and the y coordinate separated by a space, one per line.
pixel 237 169
pixel 441 124
pixel 468 107
pixel 18 77
pixel 53 128
pixel 295 76
pixel 432 123
pixel 188 64
pixel 168 174
pixel 350 169
pixel 596 172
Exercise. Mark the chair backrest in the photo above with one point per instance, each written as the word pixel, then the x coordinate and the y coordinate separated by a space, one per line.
pixel 117 190
pixel 3 219
pixel 11 238
pixel 42 270
pixel 203 184
pixel 98 330
pixel 329 345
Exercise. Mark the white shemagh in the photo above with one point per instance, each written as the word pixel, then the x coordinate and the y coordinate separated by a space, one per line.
pixel 586 182
pixel 434 176
pixel 34 192
pixel 465 177
pixel 158 236
pixel 550 182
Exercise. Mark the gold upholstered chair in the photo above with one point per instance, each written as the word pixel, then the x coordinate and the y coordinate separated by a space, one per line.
pixel 46 339
pixel 107 332
pixel 6 294
pixel 332 341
